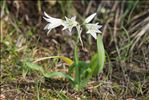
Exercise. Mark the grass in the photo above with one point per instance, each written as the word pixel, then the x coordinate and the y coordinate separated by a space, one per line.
pixel 126 39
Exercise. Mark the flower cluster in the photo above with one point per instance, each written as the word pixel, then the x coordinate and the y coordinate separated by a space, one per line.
pixel 69 23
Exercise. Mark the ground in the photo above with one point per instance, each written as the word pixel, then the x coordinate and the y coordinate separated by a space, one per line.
pixel 125 30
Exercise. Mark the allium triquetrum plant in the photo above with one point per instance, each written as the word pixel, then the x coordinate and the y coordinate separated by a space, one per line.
pixel 83 71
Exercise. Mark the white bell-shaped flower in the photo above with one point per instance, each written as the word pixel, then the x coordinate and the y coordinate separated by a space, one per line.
pixel 52 22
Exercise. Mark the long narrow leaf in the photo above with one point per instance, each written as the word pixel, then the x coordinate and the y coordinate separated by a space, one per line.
pixel 93 64
pixel 34 66
pixel 65 59
pixel 101 55
pixel 53 74
pixel 82 67
pixel 97 61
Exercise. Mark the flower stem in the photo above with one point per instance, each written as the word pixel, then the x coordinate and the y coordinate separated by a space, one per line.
pixel 77 74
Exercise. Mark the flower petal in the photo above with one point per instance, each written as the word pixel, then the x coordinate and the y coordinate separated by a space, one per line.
pixel 69 23
pixel 47 19
pixel 94 35
pixel 64 28
pixel 73 18
pixel 46 15
pixel 88 19
pixel 46 27
pixel 93 29
pixel 49 31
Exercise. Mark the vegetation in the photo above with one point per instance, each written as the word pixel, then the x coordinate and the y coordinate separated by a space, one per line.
pixel 27 69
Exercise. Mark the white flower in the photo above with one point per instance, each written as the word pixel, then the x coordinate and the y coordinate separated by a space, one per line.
pixel 70 23
pixel 88 19
pixel 93 29
pixel 53 22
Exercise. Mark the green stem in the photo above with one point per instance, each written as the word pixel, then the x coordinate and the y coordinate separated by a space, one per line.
pixel 77 74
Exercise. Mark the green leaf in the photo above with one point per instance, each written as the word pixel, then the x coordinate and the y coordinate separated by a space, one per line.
pixel 101 55
pixel 93 63
pixel 34 66
pixel 81 65
pixel 97 61
pixel 84 72
pixel 53 74
pixel 65 59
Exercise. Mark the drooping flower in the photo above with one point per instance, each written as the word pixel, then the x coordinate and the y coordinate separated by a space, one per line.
pixel 70 23
pixel 52 22
pixel 92 28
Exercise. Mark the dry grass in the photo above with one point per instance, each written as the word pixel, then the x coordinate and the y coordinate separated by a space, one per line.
pixel 126 38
